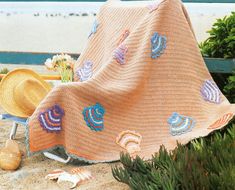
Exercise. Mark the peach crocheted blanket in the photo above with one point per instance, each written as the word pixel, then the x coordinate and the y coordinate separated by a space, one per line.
pixel 141 82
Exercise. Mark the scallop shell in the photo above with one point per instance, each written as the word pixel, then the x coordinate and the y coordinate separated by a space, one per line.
pixel 158 45
pixel 51 119
pixel 130 141
pixel 180 124
pixel 154 6
pixel 94 116
pixel 124 35
pixel 119 54
pixel 222 121
pixel 210 92
pixel 10 156
pixel 85 72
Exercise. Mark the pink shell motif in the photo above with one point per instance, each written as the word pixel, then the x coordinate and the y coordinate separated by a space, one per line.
pixel 154 6
pixel 222 121
pixel 120 53
pixel 124 35
pixel 130 141
pixel 76 176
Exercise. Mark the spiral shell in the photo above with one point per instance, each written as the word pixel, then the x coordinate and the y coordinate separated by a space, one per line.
pixel 10 156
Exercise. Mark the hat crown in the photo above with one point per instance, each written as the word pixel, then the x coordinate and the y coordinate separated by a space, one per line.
pixel 28 94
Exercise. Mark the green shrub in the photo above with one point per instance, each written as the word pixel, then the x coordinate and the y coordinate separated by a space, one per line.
pixel 206 163
pixel 229 88
pixel 3 71
pixel 221 42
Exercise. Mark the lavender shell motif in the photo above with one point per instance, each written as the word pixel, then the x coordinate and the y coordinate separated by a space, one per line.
pixel 51 119
pixel 210 92
pixel 158 45
pixel 180 124
pixel 84 73
pixel 154 6
pixel 120 53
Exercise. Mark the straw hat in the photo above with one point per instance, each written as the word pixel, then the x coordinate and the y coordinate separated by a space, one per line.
pixel 21 91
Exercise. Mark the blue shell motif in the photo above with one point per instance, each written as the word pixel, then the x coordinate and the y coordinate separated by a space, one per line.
pixel 210 92
pixel 94 28
pixel 158 45
pixel 180 124
pixel 51 119
pixel 93 116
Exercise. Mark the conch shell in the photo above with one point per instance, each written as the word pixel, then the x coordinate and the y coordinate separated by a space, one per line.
pixel 10 156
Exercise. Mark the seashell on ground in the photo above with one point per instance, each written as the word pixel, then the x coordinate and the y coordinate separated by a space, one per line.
pixel 76 176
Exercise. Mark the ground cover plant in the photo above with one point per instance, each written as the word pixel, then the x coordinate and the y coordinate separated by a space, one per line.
pixel 205 163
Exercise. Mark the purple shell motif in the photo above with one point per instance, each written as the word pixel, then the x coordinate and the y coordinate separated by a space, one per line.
pixel 84 73
pixel 120 53
pixel 51 119
pixel 180 124
pixel 210 92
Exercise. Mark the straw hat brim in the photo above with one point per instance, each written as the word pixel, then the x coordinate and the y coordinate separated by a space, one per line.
pixel 7 86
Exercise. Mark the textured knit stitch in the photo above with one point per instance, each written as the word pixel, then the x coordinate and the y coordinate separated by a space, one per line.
pixel 93 116
pixel 210 92
pixel 138 96
pixel 51 119
pixel 158 45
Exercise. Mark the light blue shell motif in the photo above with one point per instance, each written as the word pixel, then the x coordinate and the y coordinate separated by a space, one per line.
pixel 180 124
pixel 158 45
pixel 94 28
